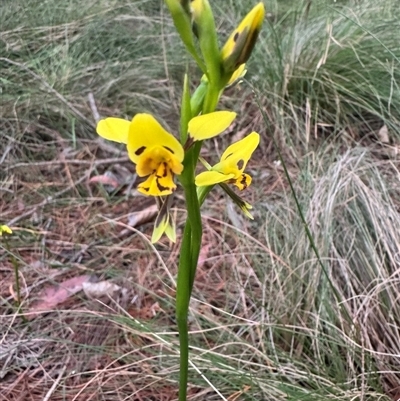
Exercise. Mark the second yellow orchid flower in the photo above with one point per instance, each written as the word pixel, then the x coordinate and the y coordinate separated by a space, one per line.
pixel 231 167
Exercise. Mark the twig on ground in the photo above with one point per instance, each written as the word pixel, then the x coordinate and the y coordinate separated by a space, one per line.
pixel 45 202
pixel 55 384
pixel 93 107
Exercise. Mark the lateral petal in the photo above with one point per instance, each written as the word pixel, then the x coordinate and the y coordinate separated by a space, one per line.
pixel 209 125
pixel 114 129
pixel 211 177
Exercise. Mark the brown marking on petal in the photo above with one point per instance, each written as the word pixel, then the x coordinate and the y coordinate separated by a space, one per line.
pixel 169 149
pixel 140 150
pixel 230 154
pixel 236 36
pixel 244 55
pixel 165 171
pixel 240 164
pixel 161 187
pixel 243 181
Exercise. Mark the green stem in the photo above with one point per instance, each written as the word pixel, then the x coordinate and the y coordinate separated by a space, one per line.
pixel 192 236
pixel 190 250
pixel 14 262
pixel 211 98
pixel 182 308
pixel 16 273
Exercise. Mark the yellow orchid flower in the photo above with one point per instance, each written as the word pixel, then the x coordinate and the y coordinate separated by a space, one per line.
pixel 232 164
pixel 157 154
pixel 5 229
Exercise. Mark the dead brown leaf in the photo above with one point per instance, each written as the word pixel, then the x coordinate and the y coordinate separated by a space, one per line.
pixel 383 134
pixel 101 288
pixel 57 294
pixel 109 180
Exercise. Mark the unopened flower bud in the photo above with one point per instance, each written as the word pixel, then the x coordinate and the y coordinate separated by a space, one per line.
pixel 240 44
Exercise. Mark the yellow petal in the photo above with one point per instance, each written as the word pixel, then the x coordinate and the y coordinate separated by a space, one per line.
pixel 209 125
pixel 211 178
pixel 240 72
pixel 114 129
pixel 146 133
pixel 238 154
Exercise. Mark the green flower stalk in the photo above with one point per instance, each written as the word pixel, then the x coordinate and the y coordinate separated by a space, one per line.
pixel 164 161
pixel 204 28
pixel 181 15
pixel 6 231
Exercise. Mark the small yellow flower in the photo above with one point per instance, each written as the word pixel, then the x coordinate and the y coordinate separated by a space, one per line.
pixel 5 229
pixel 232 164
pixel 157 154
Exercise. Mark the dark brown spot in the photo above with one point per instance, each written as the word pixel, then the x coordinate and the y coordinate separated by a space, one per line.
pixel 243 181
pixel 139 151
pixel 236 36
pixel 161 187
pixel 240 164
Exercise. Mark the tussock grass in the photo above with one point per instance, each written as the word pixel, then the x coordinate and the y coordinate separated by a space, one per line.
pixel 267 323
pixel 337 65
